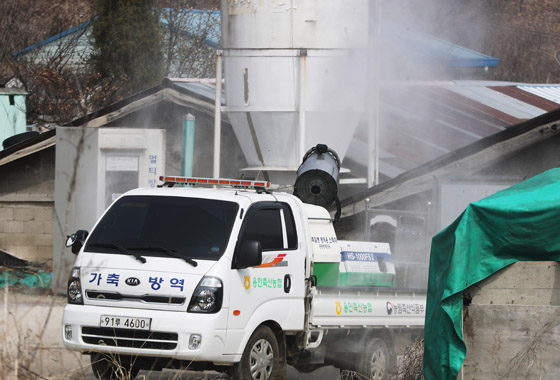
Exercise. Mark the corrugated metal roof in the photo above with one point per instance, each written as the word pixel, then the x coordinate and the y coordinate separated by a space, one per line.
pixel 549 92
pixel 12 91
pixel 427 46
pixel 202 87
pixel 54 38
pixel 464 161
pixel 420 122
pixel 498 101
pixel 213 40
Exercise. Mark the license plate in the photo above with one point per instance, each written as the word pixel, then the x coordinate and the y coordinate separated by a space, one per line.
pixel 132 323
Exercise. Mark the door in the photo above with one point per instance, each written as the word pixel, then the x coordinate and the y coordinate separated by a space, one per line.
pixel 275 289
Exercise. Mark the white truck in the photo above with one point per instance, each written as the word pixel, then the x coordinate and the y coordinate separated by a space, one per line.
pixel 241 279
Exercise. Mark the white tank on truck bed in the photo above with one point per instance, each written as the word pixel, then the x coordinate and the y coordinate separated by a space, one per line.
pixel 365 263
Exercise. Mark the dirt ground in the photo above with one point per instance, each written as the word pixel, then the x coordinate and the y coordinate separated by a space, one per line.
pixel 30 332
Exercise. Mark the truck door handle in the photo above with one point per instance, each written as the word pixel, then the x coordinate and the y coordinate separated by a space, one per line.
pixel 287 283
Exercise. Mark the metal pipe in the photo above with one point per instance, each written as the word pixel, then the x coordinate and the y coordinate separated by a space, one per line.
pixel 188 145
pixel 217 115
pixel 373 132
pixel 301 108
pixel 6 290
pixel 366 213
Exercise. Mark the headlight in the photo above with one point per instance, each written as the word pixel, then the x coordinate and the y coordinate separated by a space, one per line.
pixel 74 290
pixel 207 297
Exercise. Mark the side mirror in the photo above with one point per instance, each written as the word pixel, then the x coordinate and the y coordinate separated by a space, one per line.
pixel 76 241
pixel 247 254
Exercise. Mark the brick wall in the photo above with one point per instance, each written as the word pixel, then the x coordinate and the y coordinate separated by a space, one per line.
pixel 26 230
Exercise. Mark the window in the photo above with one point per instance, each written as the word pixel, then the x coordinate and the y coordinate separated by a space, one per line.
pixel 290 227
pixel 192 227
pixel 264 223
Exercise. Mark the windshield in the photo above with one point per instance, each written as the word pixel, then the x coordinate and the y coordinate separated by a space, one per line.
pixel 189 228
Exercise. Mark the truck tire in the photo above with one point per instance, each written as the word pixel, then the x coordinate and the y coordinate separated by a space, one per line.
pixel 375 360
pixel 261 358
pixel 112 367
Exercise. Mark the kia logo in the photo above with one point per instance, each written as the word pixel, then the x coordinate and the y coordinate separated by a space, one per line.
pixel 132 281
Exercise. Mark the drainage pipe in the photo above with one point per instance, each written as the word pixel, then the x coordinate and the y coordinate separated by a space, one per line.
pixel 188 145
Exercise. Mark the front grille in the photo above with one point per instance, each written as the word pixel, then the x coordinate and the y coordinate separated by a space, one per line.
pixel 106 336
pixel 113 296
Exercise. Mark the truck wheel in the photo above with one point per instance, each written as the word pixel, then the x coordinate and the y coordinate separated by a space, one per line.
pixel 261 358
pixel 375 360
pixel 112 367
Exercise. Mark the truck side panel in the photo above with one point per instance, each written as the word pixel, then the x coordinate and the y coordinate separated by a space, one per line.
pixel 368 308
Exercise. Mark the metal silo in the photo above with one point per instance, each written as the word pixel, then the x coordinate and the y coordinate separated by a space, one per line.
pixel 294 77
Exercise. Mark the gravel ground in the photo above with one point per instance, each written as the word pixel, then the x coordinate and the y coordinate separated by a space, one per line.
pixel 32 344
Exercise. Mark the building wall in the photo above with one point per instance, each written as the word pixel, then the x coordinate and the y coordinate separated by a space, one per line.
pixel 26 230
pixel 27 189
pixel 511 325
pixel 410 242
pixel 528 162
pixel 169 116
pixel 27 206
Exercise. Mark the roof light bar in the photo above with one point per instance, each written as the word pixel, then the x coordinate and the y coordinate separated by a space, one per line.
pixel 215 182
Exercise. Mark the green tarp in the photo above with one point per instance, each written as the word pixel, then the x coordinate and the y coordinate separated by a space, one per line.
pixel 521 223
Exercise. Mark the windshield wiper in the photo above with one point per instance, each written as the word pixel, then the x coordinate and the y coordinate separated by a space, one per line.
pixel 123 250
pixel 168 252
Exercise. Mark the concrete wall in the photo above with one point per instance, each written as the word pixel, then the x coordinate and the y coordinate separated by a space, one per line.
pixel 27 206
pixel 26 230
pixel 512 325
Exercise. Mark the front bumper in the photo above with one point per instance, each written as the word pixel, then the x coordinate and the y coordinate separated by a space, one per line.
pixel 168 337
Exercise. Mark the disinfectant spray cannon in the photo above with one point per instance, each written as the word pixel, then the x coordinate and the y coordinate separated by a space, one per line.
pixel 317 178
